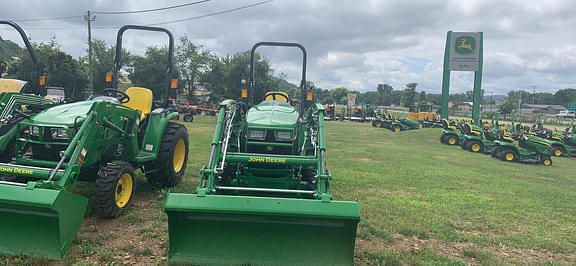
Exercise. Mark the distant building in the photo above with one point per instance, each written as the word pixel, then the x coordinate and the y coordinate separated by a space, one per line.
pixel 462 106
pixel 542 108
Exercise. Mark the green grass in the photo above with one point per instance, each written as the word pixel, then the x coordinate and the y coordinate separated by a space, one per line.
pixel 410 184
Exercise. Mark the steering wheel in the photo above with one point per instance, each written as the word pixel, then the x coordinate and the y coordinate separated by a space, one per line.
pixel 274 94
pixel 114 93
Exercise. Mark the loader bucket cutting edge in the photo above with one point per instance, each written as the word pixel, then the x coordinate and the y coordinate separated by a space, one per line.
pixel 39 222
pixel 218 229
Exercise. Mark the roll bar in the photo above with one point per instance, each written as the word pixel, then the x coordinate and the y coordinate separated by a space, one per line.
pixel 302 82
pixel 40 68
pixel 170 93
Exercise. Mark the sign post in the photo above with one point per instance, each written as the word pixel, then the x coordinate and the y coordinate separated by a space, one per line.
pixel 464 52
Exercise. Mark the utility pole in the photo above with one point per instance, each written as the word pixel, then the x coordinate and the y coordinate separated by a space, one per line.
pixel 89 18
pixel 520 102
pixel 533 94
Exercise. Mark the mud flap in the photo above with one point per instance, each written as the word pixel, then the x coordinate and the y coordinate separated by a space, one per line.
pixel 39 222
pixel 217 229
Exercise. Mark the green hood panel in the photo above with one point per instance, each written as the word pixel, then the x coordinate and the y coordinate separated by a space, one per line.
pixel 272 115
pixel 63 114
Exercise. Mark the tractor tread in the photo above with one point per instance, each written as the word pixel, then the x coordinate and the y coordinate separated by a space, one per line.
pixel 105 188
pixel 160 172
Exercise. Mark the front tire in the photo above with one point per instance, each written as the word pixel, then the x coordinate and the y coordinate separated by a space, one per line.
pixel 557 151
pixel 546 160
pixel 167 170
pixel 451 140
pixel 114 188
pixel 475 146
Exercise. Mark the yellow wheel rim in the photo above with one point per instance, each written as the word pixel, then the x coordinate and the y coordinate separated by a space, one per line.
pixel 123 190
pixel 378 124
pixel 452 141
pixel 558 153
pixel 509 156
pixel 397 129
pixel 475 147
pixel 547 162
pixel 179 155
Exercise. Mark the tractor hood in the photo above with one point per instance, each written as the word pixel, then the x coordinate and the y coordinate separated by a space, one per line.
pixel 63 114
pixel 272 114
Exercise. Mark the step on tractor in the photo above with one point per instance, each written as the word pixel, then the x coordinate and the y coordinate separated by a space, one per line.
pixel 530 149
pixel 265 196
pixel 17 102
pixel 103 139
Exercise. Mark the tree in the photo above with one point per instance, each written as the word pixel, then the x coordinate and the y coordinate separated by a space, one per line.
pixel 506 108
pixel 385 92
pixel 62 70
pixel 410 94
pixel 150 71
pixel 8 49
pixel 192 62
pixel 103 62
pixel 340 95
pixel 565 96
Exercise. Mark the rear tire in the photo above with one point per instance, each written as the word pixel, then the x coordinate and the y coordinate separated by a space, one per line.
pixel 188 118
pixel 397 128
pixel 557 151
pixel 508 155
pixel 114 189
pixel 167 170
pixel 442 138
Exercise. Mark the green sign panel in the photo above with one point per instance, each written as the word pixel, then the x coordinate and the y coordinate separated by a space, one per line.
pixel 572 107
pixel 465 45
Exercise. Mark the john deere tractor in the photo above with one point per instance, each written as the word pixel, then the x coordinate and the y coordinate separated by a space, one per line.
pixel 104 140
pixel 402 124
pixel 265 196
pixel 17 104
pixel 561 145
pixel 530 149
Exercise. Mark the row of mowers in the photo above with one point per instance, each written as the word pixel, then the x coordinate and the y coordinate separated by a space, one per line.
pixel 397 124
pixel 517 143
pixel 265 195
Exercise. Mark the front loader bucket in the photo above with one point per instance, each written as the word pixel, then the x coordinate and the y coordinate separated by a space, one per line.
pixel 216 229
pixel 39 222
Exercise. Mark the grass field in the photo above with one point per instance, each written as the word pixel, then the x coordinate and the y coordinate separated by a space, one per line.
pixel 422 203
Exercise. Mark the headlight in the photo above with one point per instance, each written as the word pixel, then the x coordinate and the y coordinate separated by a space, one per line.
pixel 283 135
pixel 59 133
pixel 257 134
pixel 34 131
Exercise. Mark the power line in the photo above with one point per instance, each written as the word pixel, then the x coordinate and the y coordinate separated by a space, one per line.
pixel 43 19
pixel 147 10
pixel 211 14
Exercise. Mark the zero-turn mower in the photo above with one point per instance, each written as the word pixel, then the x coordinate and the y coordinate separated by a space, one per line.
pixel 104 140
pixel 265 196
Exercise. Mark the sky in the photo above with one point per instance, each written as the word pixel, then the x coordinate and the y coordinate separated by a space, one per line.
pixel 528 44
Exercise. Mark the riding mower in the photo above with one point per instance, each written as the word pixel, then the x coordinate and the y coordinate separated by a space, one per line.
pixel 265 196
pixel 450 133
pixel 530 149
pixel 104 140
pixel 481 139
pixel 560 144
pixel 402 123
pixel 16 105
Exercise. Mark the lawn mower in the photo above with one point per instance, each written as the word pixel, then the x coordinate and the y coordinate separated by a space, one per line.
pixel 102 140
pixel 450 133
pixel 265 196
pixel 530 149
pixel 402 124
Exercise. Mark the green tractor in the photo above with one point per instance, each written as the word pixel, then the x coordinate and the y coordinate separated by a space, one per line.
pixel 450 133
pixel 561 145
pixel 104 140
pixel 481 139
pixel 530 149
pixel 402 124
pixel 18 103
pixel 265 196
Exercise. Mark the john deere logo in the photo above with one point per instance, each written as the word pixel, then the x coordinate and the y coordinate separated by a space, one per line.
pixel 465 45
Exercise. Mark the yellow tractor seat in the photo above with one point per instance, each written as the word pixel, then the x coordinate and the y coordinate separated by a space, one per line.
pixel 277 96
pixel 11 85
pixel 140 99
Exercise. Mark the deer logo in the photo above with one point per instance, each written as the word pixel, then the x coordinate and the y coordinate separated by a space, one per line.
pixel 465 45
